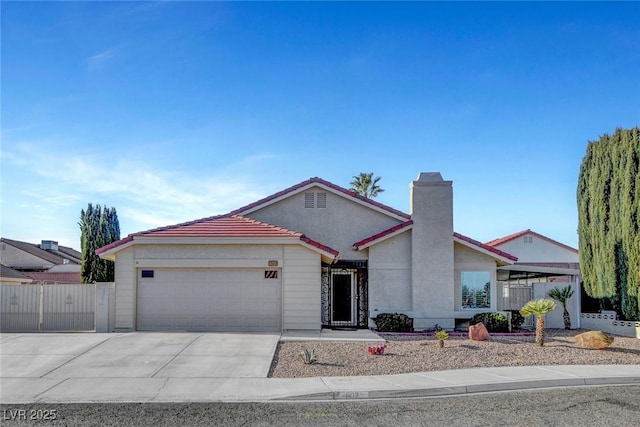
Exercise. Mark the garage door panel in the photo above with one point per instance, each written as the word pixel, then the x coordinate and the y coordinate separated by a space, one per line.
pixel 209 300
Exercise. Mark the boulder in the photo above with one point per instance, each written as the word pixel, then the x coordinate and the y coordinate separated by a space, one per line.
pixel 478 332
pixel 594 339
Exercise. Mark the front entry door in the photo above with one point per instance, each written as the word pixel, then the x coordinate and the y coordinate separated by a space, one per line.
pixel 342 299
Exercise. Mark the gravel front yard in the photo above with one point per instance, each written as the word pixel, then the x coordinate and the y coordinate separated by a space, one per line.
pixel 421 353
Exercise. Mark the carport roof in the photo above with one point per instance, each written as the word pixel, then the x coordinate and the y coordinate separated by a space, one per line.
pixel 222 227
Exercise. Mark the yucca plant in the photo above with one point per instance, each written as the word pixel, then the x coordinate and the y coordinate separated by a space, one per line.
pixel 562 296
pixel 539 307
pixel 441 336
pixel 308 356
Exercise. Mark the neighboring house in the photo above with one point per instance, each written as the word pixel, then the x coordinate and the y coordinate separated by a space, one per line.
pixel 9 276
pixel 46 262
pixel 313 255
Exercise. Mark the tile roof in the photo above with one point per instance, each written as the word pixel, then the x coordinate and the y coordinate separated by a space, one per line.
pixel 372 239
pixel 10 273
pixel 223 226
pixel 51 278
pixel 54 257
pixel 316 180
pixel 510 237
pixel 486 247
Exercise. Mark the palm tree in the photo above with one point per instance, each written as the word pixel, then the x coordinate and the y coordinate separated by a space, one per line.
pixel 562 296
pixel 366 185
pixel 539 307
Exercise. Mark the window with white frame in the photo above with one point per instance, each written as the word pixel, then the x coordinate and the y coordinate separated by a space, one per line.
pixel 475 287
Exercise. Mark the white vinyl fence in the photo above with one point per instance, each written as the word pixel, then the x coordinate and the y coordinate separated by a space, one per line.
pixel 48 308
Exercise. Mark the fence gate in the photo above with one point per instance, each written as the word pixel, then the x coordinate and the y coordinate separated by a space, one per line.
pixel 514 296
pixel 38 308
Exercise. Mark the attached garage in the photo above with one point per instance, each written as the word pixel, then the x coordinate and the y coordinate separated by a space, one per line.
pixel 219 274
pixel 218 300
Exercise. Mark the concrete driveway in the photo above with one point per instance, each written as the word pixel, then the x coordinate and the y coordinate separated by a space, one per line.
pixel 45 360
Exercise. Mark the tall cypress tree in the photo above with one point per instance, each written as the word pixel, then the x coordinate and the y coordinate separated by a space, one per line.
pixel 98 227
pixel 608 198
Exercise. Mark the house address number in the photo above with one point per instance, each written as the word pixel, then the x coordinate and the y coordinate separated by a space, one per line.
pixel 271 274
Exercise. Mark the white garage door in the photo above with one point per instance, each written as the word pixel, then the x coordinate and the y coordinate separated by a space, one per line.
pixel 209 300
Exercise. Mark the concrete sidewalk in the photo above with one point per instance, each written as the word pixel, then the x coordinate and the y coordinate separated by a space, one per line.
pixel 442 383
pixel 201 367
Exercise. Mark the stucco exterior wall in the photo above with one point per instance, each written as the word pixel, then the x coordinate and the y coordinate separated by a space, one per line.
pixel 125 279
pixel 301 288
pixel 300 267
pixel 209 252
pixel 342 223
pixel 14 257
pixel 555 319
pixel 390 276
pixel 539 250
pixel 432 251
pixel 466 259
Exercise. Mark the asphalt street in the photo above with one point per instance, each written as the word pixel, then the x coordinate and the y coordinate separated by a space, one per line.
pixel 576 406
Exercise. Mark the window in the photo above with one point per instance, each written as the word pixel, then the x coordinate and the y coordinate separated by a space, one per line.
pixel 271 274
pixel 476 289
pixel 528 239
pixel 147 273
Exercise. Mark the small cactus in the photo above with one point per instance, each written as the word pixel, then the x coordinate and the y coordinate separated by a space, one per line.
pixel 308 356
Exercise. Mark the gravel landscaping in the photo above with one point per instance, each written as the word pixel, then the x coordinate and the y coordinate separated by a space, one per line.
pixel 420 353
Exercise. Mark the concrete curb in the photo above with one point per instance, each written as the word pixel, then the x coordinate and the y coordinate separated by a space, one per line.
pixel 342 395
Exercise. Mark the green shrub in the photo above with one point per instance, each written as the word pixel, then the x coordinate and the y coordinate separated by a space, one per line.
pixel 494 322
pixel 393 322
pixel 516 320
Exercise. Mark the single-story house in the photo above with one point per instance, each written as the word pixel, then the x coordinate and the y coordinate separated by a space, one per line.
pixel 46 262
pixel 313 255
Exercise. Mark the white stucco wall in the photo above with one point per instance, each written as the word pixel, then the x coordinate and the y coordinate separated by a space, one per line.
pixel 390 276
pixel 125 279
pixel 555 319
pixel 539 250
pixel 342 223
pixel 432 251
pixel 466 259
pixel 301 288
pixel 300 268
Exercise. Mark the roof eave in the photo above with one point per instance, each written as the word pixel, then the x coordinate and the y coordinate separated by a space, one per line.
pixel 382 238
pixel 500 258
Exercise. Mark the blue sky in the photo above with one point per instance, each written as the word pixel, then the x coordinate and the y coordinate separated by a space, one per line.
pixel 176 111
